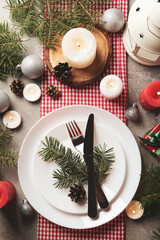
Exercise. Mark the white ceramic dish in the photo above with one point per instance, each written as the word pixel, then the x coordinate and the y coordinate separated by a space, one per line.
pixel 103 119
pixel 43 170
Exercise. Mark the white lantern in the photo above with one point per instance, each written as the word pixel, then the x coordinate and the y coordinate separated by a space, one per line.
pixel 141 36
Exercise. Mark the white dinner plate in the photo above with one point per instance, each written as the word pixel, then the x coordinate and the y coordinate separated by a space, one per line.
pixel 122 138
pixel 43 170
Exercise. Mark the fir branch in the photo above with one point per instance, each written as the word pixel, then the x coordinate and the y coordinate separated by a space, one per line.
pixel 103 158
pixel 70 163
pixel 5 136
pixel 26 14
pixel 8 158
pixel 47 20
pixel 72 169
pixel 85 10
pixel 149 190
pixel 156 235
pixel 10 52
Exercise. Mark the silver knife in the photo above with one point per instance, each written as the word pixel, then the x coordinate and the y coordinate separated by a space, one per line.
pixel 88 156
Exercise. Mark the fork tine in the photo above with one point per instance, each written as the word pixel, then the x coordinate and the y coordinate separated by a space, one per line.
pixel 70 134
pixel 79 131
pixel 71 129
pixel 74 126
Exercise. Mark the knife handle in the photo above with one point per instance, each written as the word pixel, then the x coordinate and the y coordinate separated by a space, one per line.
pixel 92 201
pixel 102 200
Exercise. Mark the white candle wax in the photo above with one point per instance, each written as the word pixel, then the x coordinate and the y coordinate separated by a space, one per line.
pixel 79 47
pixel 134 210
pixel 32 92
pixel 11 119
pixel 111 86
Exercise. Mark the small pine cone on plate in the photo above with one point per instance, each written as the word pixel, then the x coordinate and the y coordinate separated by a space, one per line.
pixel 77 193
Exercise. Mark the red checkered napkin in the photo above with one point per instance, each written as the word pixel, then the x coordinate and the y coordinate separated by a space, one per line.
pixel 114 230
pixel 89 95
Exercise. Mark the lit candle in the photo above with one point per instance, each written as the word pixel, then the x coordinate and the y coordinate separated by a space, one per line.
pixel 149 97
pixel 11 119
pixel 111 86
pixel 32 92
pixel 134 210
pixel 79 47
pixel 7 192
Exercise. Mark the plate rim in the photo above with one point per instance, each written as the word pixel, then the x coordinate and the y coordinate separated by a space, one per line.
pixel 82 222
pixel 46 166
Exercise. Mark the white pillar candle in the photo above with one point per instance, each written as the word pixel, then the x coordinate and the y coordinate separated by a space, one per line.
pixel 32 92
pixel 111 86
pixel 11 119
pixel 79 47
pixel 134 210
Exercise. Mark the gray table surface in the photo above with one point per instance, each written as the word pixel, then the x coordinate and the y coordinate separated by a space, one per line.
pixel 12 226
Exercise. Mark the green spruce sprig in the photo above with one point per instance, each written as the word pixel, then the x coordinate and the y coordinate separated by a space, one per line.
pixel 8 157
pixel 156 235
pixel 72 168
pixel 47 19
pixel 5 136
pixel 70 164
pixel 26 15
pixel 149 190
pixel 10 51
pixel 104 158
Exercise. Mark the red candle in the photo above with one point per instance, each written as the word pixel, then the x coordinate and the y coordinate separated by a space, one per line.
pixel 149 98
pixel 7 192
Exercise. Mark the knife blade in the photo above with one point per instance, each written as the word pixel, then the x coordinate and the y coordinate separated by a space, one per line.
pixel 88 157
pixel 88 148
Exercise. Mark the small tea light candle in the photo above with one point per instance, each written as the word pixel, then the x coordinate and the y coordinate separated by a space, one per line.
pixel 134 210
pixel 32 92
pixel 7 192
pixel 11 119
pixel 149 97
pixel 111 86
pixel 79 47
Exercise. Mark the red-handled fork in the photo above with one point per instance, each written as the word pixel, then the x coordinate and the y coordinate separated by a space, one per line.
pixel 78 142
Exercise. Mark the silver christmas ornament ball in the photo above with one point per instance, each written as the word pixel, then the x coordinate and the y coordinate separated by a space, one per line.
pixel 112 20
pixel 132 113
pixel 32 66
pixel 4 101
pixel 26 209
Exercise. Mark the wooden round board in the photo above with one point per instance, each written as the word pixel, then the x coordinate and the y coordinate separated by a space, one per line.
pixel 91 73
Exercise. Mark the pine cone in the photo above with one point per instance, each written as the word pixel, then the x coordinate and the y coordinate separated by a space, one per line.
pixel 52 91
pixel 77 193
pixel 62 71
pixel 17 87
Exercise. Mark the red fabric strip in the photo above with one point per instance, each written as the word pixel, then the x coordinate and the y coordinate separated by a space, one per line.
pixel 89 95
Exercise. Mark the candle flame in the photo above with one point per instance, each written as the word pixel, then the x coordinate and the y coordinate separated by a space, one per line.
pixel 158 93
pixel 32 91
pixel 134 211
pixel 11 118
pixel 78 44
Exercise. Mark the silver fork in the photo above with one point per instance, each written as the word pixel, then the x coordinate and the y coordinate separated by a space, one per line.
pixel 75 135
pixel 78 142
